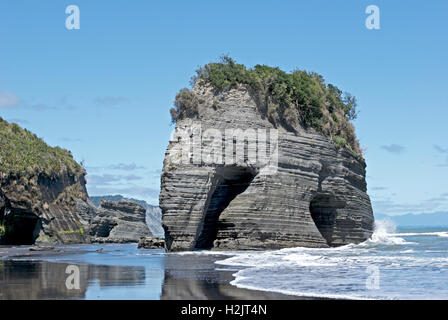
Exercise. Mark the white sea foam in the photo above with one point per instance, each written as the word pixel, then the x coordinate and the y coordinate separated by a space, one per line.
pixel 204 252
pixel 327 274
pixel 300 293
pixel 341 272
pixel 442 234
pixel 385 232
pixel 406 268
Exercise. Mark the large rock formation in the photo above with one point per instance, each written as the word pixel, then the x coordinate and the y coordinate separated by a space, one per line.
pixel 153 213
pixel 43 197
pixel 37 208
pixel 41 191
pixel 118 222
pixel 316 198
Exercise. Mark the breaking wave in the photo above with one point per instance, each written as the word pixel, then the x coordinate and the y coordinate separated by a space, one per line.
pixel 385 233
pixel 416 269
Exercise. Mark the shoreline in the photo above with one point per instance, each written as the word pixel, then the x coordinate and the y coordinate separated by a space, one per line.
pixel 41 275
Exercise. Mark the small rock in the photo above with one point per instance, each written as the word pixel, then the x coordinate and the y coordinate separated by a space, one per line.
pixel 151 243
pixel 42 248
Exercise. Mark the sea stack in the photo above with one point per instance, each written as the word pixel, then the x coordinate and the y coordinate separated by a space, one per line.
pixel 118 222
pixel 306 186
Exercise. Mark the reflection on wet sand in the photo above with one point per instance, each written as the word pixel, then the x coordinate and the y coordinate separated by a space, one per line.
pixel 195 277
pixel 181 289
pixel 45 280
pixel 118 272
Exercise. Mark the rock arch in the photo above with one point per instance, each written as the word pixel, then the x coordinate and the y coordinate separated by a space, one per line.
pixel 230 182
pixel 324 211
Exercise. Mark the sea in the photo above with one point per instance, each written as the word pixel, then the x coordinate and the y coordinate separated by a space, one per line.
pixel 392 264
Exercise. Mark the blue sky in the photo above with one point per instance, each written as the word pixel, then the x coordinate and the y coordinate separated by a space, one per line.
pixel 104 91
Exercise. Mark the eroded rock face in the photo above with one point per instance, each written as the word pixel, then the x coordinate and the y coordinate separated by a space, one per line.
pixel 316 198
pixel 118 222
pixel 58 210
pixel 153 213
pixel 38 208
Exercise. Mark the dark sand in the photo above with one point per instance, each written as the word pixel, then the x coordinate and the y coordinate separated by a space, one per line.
pixel 122 272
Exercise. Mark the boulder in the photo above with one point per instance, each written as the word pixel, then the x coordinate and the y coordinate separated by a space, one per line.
pixel 42 248
pixel 150 242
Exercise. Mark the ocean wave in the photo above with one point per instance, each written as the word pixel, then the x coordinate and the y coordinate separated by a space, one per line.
pixel 335 274
pixel 307 294
pixel 341 272
pixel 442 234
pixel 385 233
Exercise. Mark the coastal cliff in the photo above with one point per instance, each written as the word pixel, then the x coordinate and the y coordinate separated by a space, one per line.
pixel 153 213
pixel 42 190
pixel 118 222
pixel 43 197
pixel 312 195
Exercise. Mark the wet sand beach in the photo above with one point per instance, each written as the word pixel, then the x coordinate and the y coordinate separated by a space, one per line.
pixel 117 272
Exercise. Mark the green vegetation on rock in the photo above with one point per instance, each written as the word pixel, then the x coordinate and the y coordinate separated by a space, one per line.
pixel 339 142
pixel 185 105
pixel 65 232
pixel 288 100
pixel 22 152
pixel 2 230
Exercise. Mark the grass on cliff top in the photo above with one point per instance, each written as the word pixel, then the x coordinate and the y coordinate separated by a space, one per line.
pixel 22 152
pixel 288 100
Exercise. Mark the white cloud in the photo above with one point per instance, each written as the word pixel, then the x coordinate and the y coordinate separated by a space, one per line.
pixel 8 99
pixel 440 149
pixel 389 206
pixel 394 148
pixel 125 166
pixel 144 193
pixel 107 179
pixel 18 120
pixel 110 101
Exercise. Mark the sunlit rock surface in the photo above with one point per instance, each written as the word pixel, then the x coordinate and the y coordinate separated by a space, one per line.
pixel 315 198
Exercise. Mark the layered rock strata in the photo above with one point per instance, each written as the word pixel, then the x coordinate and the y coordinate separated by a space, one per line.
pixel 43 197
pixel 118 222
pixel 313 195
pixel 151 242
pixel 153 213
pixel 37 207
